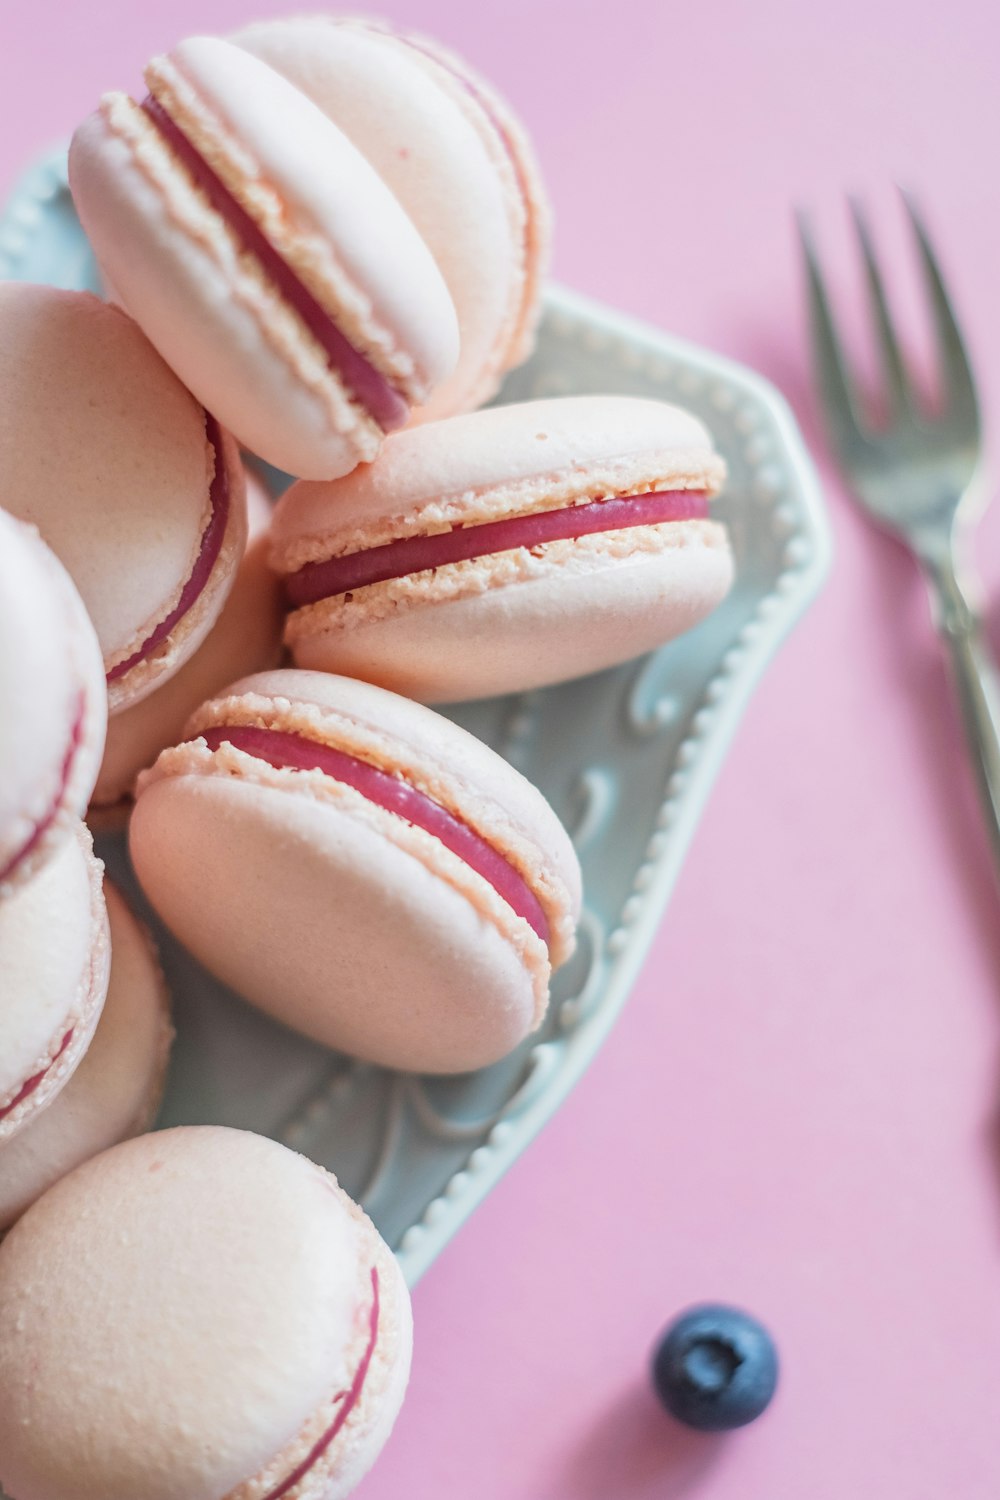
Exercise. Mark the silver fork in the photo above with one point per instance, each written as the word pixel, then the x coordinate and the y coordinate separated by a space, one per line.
pixel 919 474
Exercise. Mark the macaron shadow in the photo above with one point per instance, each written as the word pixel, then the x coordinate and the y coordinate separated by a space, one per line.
pixel 635 1451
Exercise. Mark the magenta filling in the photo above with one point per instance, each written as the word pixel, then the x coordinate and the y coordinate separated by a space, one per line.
pixel 368 387
pixel 296 752
pixel 33 1083
pixel 415 554
pixel 42 827
pixel 349 1399
pixel 208 555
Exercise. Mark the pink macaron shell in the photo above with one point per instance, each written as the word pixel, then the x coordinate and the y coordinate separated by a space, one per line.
pixel 440 757
pixel 320 919
pixel 54 967
pixel 53 703
pixel 104 451
pixel 578 610
pixel 514 156
pixel 181 283
pixel 245 638
pixel 277 879
pixel 115 1091
pixel 343 1469
pixel 225 1298
pixel 342 1439
pixel 531 615
pixel 483 465
pixel 400 300
pixel 178 269
pixel 427 133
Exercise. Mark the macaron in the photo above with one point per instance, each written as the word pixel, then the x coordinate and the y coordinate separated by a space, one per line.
pixel 361 868
pixel 54 966
pixel 507 549
pixel 264 257
pixel 136 488
pixel 53 702
pixel 245 638
pixel 458 161
pixel 197 1314
pixel 116 1090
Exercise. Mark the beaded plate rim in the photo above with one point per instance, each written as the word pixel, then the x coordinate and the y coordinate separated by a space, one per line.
pixel 783 478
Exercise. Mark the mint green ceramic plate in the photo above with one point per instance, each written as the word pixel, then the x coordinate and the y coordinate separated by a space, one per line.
pixel 626 757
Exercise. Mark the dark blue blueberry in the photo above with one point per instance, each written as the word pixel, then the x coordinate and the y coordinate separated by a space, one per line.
pixel 715 1367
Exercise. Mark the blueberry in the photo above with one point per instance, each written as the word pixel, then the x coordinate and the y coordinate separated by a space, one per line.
pixel 715 1367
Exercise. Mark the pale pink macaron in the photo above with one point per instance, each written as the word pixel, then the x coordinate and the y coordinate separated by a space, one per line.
pixel 361 868
pixel 133 485
pixel 245 638
pixel 116 1090
pixel 265 258
pixel 54 967
pixel 53 702
pixel 197 1314
pixel 507 549
pixel 458 161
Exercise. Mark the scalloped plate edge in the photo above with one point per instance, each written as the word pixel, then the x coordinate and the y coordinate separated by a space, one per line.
pixel 697 764
pixel 698 759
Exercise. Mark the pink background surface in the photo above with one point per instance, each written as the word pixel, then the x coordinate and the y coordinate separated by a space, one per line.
pixel 798 1110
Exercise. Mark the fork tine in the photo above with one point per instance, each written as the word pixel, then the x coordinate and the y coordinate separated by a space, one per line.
pixel 899 386
pixel 956 373
pixel 836 388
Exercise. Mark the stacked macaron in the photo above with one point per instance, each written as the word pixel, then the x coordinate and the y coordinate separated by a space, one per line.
pixel 322 240
pixel 83 1035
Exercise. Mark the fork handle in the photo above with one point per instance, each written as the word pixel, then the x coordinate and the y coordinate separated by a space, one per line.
pixel 975 675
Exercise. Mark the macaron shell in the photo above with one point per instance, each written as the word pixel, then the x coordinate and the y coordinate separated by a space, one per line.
pixel 441 758
pixel 210 309
pixel 373 1433
pixel 366 1434
pixel 159 665
pixel 317 916
pixel 512 150
pixel 105 452
pixel 392 291
pixel 115 1091
pixel 245 638
pixel 523 621
pixel 180 283
pixel 208 1282
pixel 52 740
pixel 343 1464
pixel 434 145
pixel 486 464
pixel 54 968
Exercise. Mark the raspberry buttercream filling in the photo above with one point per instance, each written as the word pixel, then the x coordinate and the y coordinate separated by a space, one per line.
pixel 368 387
pixel 347 1401
pixel 208 555
pixel 285 750
pixel 331 576
pixel 37 1079
pixel 44 823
